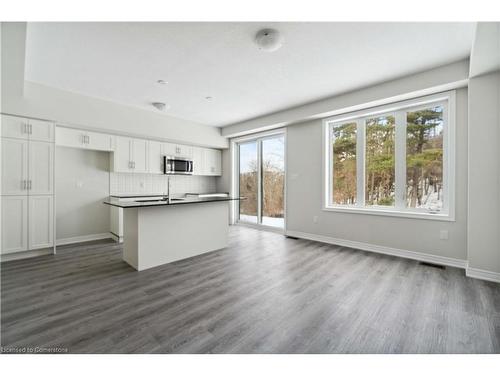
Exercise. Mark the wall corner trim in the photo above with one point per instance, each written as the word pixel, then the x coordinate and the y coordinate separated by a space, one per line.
pixel 477 273
pixel 445 261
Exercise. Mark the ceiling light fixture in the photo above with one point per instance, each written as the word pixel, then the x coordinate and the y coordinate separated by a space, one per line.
pixel 160 106
pixel 209 98
pixel 162 82
pixel 268 40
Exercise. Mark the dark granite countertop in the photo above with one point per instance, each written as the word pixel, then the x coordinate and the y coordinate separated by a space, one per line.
pixel 166 202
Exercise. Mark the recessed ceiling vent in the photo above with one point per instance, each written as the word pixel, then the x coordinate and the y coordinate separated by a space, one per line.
pixel 269 40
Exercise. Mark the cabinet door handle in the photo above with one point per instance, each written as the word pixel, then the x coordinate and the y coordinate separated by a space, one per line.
pixel 88 139
pixel 25 128
pixel 31 128
pixel 29 184
pixel 24 185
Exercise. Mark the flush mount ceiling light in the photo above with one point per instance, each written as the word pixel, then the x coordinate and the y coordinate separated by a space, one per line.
pixel 161 82
pixel 268 40
pixel 160 106
pixel 209 98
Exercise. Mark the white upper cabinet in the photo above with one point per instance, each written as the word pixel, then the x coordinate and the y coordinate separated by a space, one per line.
pixel 122 157
pixel 140 155
pixel 14 224
pixel 206 162
pixel 70 137
pixel 14 166
pixel 23 128
pixel 212 162
pixel 41 130
pixel 100 141
pixel 131 155
pixel 15 127
pixel 198 161
pixel 182 151
pixel 84 139
pixel 155 161
pixel 41 168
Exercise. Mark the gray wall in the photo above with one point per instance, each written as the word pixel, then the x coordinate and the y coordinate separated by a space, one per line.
pixel 223 183
pixel 82 182
pixel 304 199
pixel 484 173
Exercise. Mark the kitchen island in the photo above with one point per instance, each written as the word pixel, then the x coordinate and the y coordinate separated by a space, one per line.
pixel 164 230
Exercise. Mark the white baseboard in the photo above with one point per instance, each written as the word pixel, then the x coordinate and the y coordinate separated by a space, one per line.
pixel 26 254
pixel 477 273
pixel 445 261
pixel 89 237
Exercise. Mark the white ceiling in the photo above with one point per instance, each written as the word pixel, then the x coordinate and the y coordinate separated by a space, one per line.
pixel 122 62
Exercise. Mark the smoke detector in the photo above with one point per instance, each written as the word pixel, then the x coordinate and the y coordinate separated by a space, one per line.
pixel 268 40
pixel 160 106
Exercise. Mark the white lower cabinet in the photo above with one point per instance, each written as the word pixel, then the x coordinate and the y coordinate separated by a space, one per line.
pixel 14 224
pixel 41 223
pixel 27 223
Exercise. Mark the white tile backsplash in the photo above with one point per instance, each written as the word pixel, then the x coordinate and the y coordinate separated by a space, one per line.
pixel 139 183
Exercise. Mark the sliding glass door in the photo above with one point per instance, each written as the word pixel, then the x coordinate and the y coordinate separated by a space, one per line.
pixel 249 182
pixel 262 180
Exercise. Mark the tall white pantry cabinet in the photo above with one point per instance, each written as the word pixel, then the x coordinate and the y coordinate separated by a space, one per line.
pixel 27 184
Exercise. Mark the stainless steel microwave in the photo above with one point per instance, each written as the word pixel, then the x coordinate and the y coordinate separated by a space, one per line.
pixel 177 165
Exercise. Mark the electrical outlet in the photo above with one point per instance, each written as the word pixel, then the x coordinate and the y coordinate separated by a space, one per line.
pixel 315 219
pixel 141 184
pixel 443 235
pixel 79 184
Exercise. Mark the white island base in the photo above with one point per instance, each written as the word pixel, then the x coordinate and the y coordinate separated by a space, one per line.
pixel 157 235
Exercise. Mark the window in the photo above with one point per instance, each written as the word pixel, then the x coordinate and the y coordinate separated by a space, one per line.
pixel 392 160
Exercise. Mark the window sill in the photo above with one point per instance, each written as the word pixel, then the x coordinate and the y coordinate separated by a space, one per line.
pixel 393 213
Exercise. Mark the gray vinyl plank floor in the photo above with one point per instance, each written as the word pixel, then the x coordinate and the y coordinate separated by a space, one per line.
pixel 263 294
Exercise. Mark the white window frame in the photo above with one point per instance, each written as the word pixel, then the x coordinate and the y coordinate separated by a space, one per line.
pixel 447 99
